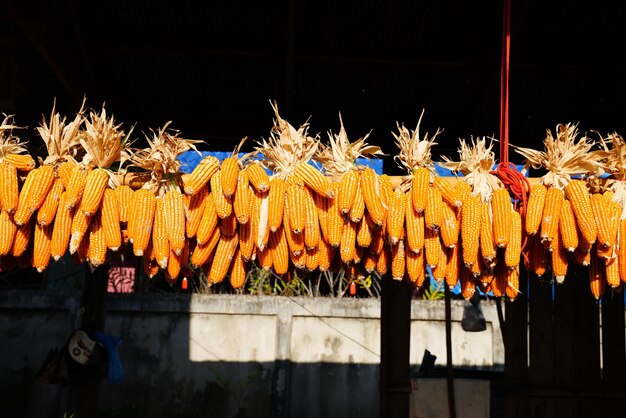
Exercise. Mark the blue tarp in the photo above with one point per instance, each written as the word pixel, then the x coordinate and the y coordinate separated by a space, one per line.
pixel 190 160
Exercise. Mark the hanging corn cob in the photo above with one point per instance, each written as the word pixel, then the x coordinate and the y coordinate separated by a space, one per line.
pixel 12 160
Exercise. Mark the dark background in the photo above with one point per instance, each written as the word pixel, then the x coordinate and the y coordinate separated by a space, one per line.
pixel 213 66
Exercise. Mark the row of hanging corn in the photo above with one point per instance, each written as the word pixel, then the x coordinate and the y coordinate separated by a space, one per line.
pixel 224 216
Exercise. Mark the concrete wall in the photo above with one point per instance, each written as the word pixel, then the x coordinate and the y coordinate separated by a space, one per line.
pixel 222 355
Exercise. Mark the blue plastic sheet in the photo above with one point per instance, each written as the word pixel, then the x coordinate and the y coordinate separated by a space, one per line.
pixel 190 160
pixel 110 343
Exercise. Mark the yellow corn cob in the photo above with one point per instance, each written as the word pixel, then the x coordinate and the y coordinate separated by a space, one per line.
pixel 419 189
pixel 177 261
pixel 247 241
pixel 95 185
pixel 386 190
pixel 559 260
pixel 463 190
pixel 294 241
pixel 371 196
pixel 501 210
pixel 534 208
pixel 346 192
pixel 22 162
pixel 41 246
pixel 567 227
pixel 414 229
pixel 357 211
pixel 7 233
pixel 264 259
pixel 34 191
pixel 358 256
pixel 76 186
pixel 195 211
pixel 311 222
pixel 415 265
pixel 596 277
pixel 276 203
pixel 65 171
pixel 9 193
pixel 470 228
pixel 615 213
pixel 111 219
pixel 295 203
pixel 22 238
pixel 201 175
pixel 241 200
pixel 312 259
pixel 79 227
pixel 229 176
pixel 334 223
pixel 124 196
pixel 61 229
pixel 370 260
pixel 439 271
pixel 432 247
pixel 80 255
pixel 238 271
pixel 364 233
pixel 612 272
pixel 433 213
pixel 538 256
pixel 583 245
pixel 447 191
pixel 202 253
pixel 382 265
pixel 449 229
pixel 478 266
pixel 223 204
pixel 347 245
pixel 96 254
pixel 228 225
pixel 314 180
pixel 223 257
pixel 160 237
pixel 513 251
pixel 47 211
pixel 208 221
pixel 395 217
pixel 143 219
pixel 398 261
pixel 453 267
pixel 606 216
pixel 174 213
pixel 551 214
pixel 577 193
pixel 258 177
pixel 280 251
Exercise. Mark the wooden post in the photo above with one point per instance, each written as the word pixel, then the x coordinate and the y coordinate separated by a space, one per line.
pixel 395 337
pixel 84 397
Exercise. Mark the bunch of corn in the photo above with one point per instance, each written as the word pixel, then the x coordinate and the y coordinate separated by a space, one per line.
pixel 156 216
pixel 490 228
pixel 352 222
pixel 14 164
pixel 563 220
pixel 422 228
